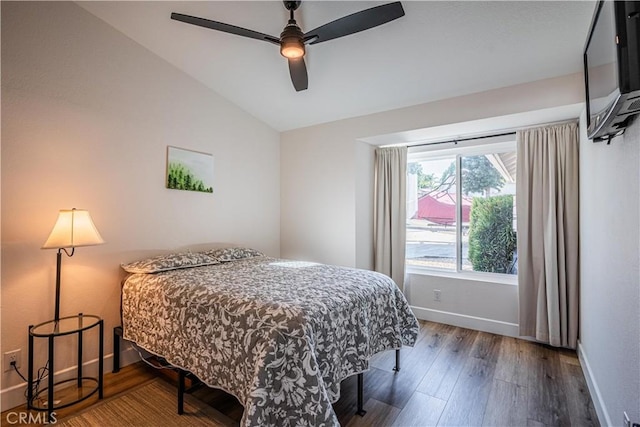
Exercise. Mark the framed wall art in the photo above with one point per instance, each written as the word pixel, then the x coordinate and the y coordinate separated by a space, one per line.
pixel 189 170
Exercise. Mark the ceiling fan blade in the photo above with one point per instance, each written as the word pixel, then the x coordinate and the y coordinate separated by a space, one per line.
pixel 298 72
pixel 219 26
pixel 356 22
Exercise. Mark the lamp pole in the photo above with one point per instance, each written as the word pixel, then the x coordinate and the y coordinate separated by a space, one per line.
pixel 58 265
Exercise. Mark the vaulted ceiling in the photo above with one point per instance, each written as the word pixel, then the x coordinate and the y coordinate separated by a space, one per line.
pixel 438 50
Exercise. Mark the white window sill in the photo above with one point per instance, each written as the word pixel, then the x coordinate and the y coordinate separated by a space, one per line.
pixel 503 279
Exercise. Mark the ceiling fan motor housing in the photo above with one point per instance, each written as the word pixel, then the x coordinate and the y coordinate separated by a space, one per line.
pixel 291 41
pixel 292 5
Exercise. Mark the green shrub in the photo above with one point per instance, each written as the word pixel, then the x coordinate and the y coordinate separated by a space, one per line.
pixel 492 240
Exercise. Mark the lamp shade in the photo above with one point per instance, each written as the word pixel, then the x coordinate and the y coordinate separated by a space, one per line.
pixel 74 227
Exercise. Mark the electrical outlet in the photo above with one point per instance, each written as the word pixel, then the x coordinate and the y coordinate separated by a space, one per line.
pixel 437 294
pixel 12 356
pixel 627 421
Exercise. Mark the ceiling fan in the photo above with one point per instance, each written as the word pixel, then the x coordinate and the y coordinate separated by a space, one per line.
pixel 292 40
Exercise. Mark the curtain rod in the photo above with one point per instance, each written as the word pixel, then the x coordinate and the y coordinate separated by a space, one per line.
pixel 504 132
pixel 455 141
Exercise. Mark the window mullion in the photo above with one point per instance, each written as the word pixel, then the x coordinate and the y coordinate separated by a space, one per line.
pixel 458 213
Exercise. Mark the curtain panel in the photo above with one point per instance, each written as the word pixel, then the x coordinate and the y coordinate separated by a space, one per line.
pixel 548 213
pixel 389 217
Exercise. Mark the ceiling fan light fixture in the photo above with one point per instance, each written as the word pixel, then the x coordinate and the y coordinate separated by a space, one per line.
pixel 291 44
pixel 292 49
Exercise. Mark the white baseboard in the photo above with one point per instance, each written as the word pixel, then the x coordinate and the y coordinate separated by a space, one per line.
pixel 466 321
pixel 594 390
pixel 13 396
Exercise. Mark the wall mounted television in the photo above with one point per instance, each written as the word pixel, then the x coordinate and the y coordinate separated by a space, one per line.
pixel 612 68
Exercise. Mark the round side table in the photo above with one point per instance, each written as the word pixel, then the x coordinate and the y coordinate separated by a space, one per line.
pixel 84 386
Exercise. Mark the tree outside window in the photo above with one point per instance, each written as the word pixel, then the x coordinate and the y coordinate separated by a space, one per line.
pixel 484 206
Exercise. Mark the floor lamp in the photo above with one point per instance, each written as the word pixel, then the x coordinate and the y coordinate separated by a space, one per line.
pixel 73 228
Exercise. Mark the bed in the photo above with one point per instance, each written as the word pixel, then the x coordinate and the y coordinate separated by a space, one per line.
pixel 279 335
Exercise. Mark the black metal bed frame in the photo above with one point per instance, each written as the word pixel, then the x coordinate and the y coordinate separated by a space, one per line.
pixel 182 374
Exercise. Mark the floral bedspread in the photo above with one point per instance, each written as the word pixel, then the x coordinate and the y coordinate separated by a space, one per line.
pixel 279 335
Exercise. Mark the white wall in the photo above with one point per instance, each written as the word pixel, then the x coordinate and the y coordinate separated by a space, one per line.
pixel 365 154
pixel 610 273
pixel 484 305
pixel 317 199
pixel 87 115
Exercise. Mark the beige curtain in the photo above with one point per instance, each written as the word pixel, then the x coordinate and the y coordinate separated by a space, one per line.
pixel 389 215
pixel 547 209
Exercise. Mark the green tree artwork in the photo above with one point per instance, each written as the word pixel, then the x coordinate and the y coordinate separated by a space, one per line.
pixel 189 170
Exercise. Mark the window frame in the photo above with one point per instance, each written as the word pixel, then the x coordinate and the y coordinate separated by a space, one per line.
pixel 499 144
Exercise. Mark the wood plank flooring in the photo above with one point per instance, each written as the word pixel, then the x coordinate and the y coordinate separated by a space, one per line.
pixel 114 384
pixel 451 377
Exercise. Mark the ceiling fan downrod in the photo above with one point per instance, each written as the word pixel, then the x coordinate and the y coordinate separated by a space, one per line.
pixel 292 37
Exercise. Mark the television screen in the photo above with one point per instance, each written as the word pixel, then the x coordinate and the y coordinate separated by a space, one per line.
pixel 602 64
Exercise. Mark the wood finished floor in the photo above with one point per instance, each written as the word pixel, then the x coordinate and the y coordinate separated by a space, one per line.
pixel 451 377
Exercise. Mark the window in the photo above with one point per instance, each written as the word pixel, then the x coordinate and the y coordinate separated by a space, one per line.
pixel 461 208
